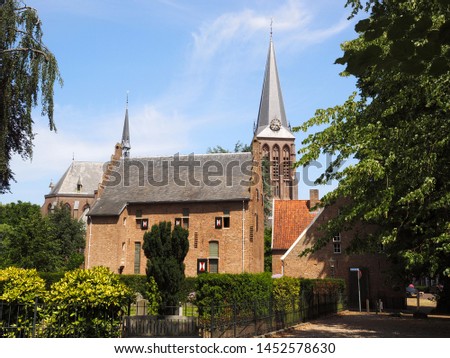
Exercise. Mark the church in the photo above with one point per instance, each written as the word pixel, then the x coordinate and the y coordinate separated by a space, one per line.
pixel 218 197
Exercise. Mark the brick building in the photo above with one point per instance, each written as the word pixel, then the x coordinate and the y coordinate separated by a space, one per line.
pixel 295 229
pixel 76 189
pixel 212 195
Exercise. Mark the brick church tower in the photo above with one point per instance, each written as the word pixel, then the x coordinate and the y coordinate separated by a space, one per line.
pixel 274 133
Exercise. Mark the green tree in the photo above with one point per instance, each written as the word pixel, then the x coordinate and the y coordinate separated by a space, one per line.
pixel 25 238
pixel 267 191
pixel 69 236
pixel 238 147
pixel 397 129
pixel 28 71
pixel 29 240
pixel 165 250
pixel 268 249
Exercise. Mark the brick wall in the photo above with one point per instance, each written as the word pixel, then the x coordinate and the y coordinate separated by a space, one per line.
pixel 326 263
pixel 111 241
pixel 83 201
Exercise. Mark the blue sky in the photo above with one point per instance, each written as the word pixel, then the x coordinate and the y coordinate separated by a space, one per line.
pixel 194 72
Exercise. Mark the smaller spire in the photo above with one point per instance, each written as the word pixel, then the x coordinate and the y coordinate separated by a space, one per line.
pixel 126 134
pixel 271 28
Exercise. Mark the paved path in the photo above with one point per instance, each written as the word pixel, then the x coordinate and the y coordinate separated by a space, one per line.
pixel 350 324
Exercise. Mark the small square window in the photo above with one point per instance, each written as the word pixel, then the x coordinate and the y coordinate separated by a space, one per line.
pixel 337 247
pixel 213 265
pixel 183 222
pixel 337 238
pixel 138 213
pixel 185 212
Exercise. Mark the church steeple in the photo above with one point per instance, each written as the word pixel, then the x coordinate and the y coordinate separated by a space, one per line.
pixel 274 134
pixel 126 135
pixel 272 122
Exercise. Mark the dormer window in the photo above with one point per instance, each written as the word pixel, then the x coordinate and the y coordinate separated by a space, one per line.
pixel 79 185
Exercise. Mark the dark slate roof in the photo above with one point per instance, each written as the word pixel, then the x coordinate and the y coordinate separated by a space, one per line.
pixel 192 178
pixel 88 174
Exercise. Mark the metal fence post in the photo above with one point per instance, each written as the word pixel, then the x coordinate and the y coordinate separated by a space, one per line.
pixel 234 319
pixel 212 319
pixel 33 334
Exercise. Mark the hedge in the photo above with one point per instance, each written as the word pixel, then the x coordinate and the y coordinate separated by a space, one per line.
pixel 217 291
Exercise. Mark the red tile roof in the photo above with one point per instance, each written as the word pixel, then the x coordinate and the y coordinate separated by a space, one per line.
pixel 290 219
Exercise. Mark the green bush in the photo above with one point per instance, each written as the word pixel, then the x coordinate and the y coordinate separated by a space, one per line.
pixel 230 288
pixel 51 277
pixel 219 292
pixel 136 283
pixel 258 293
pixel 20 285
pixel 19 288
pixel 188 289
pixel 286 293
pixel 86 303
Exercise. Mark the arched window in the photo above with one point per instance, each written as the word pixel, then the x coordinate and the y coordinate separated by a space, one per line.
pixel 83 216
pixel 265 151
pixel 286 163
pixel 49 208
pixel 276 163
pixel 67 206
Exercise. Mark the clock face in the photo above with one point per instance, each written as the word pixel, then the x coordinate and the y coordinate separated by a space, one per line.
pixel 275 124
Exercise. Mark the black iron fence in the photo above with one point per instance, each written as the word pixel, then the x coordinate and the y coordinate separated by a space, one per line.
pixel 249 319
pixel 40 320
pixel 237 319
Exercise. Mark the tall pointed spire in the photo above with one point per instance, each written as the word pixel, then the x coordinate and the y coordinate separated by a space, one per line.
pixel 126 135
pixel 272 117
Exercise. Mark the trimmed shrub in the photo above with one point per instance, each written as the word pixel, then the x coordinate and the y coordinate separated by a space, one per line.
pixel 286 293
pixel 241 292
pixel 20 285
pixel 19 289
pixel 86 303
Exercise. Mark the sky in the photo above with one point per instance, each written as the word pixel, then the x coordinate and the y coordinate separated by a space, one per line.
pixel 193 71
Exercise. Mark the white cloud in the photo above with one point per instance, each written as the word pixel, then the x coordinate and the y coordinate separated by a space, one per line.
pixel 293 20
pixel 158 132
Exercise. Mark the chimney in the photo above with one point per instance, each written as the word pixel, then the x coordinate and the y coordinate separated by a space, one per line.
pixel 313 198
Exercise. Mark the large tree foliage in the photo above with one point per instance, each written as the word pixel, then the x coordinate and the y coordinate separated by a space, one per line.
pixel 396 131
pixel 238 147
pixel 165 250
pixel 29 240
pixel 28 71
